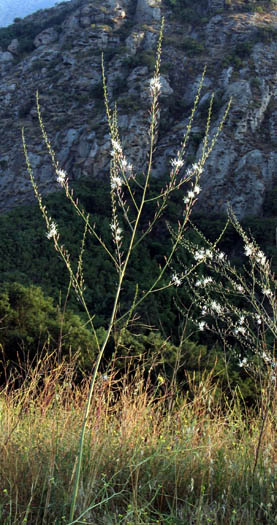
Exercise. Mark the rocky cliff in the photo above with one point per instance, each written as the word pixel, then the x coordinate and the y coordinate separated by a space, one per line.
pixel 58 53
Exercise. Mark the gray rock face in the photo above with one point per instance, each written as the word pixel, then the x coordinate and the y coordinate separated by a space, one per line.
pixel 273 127
pixel 215 5
pixel 65 68
pixel 148 11
pixel 5 57
pixel 14 47
pixel 46 37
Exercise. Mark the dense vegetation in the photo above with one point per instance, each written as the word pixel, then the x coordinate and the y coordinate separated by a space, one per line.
pixel 176 430
pixel 35 285
pixel 152 456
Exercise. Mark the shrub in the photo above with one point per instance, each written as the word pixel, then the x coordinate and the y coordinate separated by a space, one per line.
pixel 32 326
pixel 191 46
pixel 129 103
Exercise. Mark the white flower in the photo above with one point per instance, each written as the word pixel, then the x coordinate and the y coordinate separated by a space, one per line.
pixel 221 256
pixel 240 330
pixel 249 250
pixel 207 280
pixel 116 148
pixel 61 176
pixel 189 172
pixel 204 310
pixel 192 193
pixel 202 254
pixel 261 258
pixel 241 319
pixel 117 232
pixel 202 325
pixel 267 292
pixel 197 168
pixel 243 362
pixel 52 231
pixel 216 307
pixel 199 254
pixel 204 282
pixel 155 85
pixel 177 163
pixel 116 182
pixel 176 281
pixel 118 238
pixel 238 287
pixel 125 166
pixel 264 356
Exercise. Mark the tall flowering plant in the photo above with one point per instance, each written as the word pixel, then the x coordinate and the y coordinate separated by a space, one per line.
pixel 238 306
pixel 126 219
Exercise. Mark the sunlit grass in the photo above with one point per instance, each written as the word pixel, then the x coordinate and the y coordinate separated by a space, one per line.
pixel 151 454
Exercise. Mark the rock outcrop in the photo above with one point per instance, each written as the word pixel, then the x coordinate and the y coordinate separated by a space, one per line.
pixel 62 61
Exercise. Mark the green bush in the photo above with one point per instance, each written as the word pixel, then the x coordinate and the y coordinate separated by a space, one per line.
pixel 30 326
pixel 189 359
pixel 191 46
pixel 129 103
pixel 143 58
pixel 266 34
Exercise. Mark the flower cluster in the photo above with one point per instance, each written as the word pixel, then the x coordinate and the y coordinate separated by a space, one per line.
pixel 122 163
pixel 220 256
pixel 238 287
pixel 216 307
pixel 243 362
pixel 240 330
pixel 251 251
pixel 268 360
pixel 204 282
pixel 192 193
pixel 117 149
pixel 177 163
pixel 175 280
pixel 61 176
pixel 195 169
pixel 126 166
pixel 117 232
pixel 155 85
pixel 202 254
pixel 53 231
pixel 116 182
pixel 267 292
pixel 202 325
pixel 212 308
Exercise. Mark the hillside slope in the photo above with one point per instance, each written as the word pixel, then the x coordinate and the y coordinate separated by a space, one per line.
pixel 58 53
pixel 10 9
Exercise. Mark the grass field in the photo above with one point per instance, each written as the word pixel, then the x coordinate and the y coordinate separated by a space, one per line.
pixel 151 454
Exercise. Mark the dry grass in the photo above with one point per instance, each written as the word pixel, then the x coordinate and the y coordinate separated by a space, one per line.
pixel 151 454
